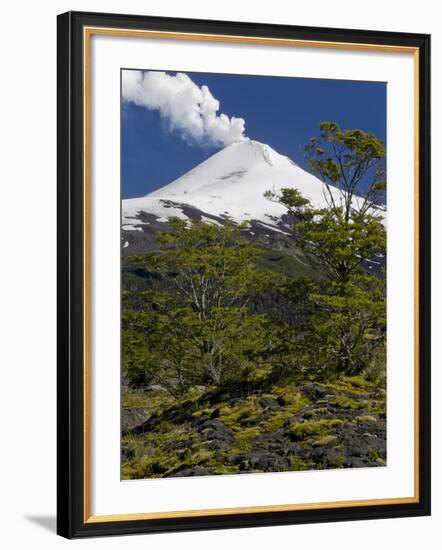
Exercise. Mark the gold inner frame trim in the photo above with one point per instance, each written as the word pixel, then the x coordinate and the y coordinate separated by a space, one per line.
pixel 416 273
pixel 87 34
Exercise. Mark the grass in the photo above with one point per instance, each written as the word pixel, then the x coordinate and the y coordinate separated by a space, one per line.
pixel 325 440
pixel 299 431
pixel 344 402
pixel 338 461
pixel 366 418
pixel 238 415
pixel 299 465
pixel 315 412
pixel 244 440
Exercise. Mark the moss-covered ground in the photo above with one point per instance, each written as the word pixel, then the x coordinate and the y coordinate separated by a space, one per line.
pixel 282 428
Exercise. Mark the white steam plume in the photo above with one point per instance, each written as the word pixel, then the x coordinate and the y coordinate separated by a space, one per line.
pixel 187 108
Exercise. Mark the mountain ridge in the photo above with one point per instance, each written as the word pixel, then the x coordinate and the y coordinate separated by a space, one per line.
pixel 230 184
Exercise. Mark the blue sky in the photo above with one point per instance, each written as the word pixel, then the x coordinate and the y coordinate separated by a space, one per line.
pixel 282 112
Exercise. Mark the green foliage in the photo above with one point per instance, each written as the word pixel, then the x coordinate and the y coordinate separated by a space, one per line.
pixel 210 266
pixel 343 159
pixel 208 331
pixel 342 244
pixel 200 330
pixel 347 309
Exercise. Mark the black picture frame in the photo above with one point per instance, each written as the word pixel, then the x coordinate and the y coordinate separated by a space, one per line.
pixel 72 518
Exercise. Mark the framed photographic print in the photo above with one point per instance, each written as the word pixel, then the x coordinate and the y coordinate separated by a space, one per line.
pixel 243 274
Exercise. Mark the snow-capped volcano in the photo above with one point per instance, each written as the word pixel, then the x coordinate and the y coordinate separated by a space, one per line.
pixel 230 183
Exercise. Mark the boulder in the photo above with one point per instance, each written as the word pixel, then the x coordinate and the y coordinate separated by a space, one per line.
pixel 259 460
pixel 132 417
pixel 148 425
pixel 215 434
pixel 314 392
pixel 269 403
pixel 192 471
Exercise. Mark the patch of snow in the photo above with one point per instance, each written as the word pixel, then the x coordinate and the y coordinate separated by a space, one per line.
pixel 160 208
pixel 273 228
pixel 130 227
pixel 209 220
pixel 229 181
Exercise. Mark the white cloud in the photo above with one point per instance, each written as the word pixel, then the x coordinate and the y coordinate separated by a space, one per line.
pixel 187 108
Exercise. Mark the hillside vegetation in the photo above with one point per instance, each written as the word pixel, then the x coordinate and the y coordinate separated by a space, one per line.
pixel 247 354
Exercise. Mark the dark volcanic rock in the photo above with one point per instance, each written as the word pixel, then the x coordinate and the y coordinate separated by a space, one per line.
pixel 215 435
pixel 269 403
pixel 277 442
pixel 193 471
pixel 365 443
pixel 314 392
pixel 353 445
pixel 259 460
pixel 147 426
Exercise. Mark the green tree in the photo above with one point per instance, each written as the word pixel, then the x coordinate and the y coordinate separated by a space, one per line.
pixel 210 266
pixel 347 305
pixel 199 329
pixel 345 159
pixel 349 323
pixel 159 344
pixel 342 244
